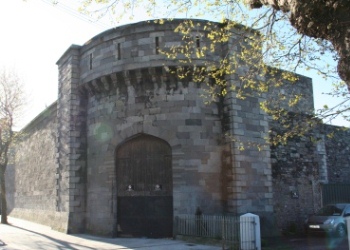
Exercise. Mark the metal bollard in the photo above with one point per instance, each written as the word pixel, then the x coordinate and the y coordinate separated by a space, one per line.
pixel 250 232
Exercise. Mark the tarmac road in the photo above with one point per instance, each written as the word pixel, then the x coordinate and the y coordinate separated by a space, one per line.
pixel 320 243
pixel 307 243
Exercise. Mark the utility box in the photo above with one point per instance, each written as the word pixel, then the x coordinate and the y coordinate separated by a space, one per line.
pixel 250 232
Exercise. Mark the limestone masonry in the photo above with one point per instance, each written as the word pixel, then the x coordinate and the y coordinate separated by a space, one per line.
pixel 129 144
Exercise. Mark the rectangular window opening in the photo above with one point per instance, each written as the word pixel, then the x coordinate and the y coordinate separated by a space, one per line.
pixel 119 52
pixel 198 42
pixel 157 45
pixel 90 62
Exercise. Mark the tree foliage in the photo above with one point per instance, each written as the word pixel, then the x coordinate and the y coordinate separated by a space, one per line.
pixel 324 19
pixel 285 34
pixel 11 104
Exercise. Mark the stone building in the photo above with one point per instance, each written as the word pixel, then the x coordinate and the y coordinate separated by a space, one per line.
pixel 128 144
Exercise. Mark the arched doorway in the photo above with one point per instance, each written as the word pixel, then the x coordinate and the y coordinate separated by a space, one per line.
pixel 144 186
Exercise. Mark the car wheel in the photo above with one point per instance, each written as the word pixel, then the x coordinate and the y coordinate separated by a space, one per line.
pixel 341 231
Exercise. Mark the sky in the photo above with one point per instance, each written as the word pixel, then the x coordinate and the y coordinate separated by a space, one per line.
pixel 34 35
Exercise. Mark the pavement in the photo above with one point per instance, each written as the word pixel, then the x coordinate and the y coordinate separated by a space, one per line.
pixel 25 235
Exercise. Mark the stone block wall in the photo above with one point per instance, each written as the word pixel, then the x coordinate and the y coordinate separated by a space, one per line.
pixel 71 142
pixel 301 167
pixel 137 46
pixel 251 186
pixel 281 96
pixel 296 173
pixel 337 142
pixel 155 106
pixel 33 195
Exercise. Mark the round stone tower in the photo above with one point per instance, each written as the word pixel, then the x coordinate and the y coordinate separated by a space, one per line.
pixel 136 143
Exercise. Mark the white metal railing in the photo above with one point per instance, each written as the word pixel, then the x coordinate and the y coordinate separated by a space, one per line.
pixel 236 232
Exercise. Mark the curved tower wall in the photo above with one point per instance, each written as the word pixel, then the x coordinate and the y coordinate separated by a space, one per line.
pixel 125 87
pixel 130 92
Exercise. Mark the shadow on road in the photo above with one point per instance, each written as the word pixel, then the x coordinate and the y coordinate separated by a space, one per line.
pixel 59 244
pixel 306 243
pixel 26 235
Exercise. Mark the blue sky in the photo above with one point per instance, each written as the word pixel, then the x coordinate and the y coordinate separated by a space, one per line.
pixel 35 34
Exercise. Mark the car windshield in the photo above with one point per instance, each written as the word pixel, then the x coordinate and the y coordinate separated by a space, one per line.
pixel 331 210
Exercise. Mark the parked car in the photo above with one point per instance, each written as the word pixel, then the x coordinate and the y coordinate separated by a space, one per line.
pixel 329 219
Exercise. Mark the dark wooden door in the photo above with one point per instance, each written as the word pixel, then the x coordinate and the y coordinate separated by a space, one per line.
pixel 144 177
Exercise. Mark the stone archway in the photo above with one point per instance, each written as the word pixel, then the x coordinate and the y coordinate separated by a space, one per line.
pixel 144 188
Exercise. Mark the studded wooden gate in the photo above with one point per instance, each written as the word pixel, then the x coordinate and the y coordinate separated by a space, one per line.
pixel 144 183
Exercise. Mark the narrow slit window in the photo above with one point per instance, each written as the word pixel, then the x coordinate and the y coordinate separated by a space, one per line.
pixel 119 52
pixel 157 45
pixel 198 42
pixel 90 61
